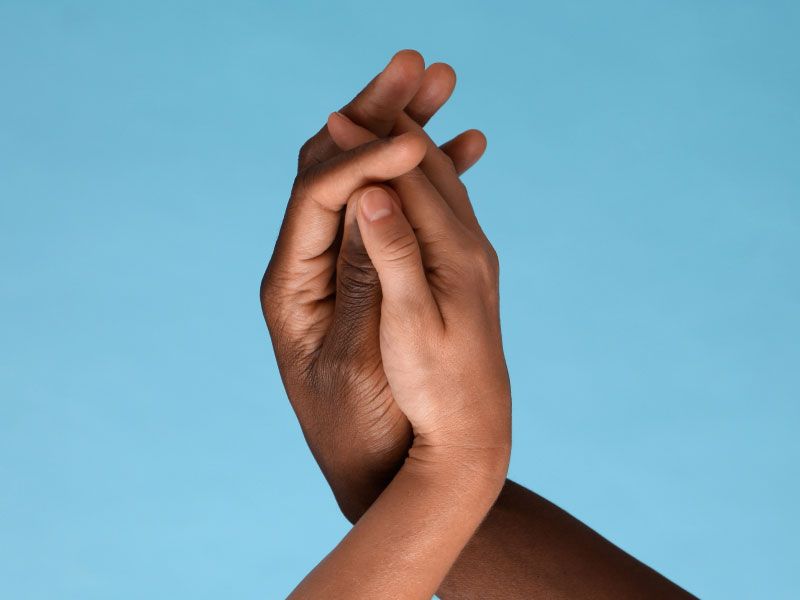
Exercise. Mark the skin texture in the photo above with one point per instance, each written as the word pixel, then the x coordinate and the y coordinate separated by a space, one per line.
pixel 439 292
pixel 405 543
pixel 529 548
pixel 322 302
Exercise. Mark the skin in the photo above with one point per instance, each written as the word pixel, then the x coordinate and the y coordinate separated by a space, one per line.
pixel 322 301
pixel 437 294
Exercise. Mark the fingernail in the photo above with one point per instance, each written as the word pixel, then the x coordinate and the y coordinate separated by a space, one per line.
pixel 376 204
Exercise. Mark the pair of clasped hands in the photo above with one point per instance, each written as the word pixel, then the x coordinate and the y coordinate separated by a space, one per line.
pixel 381 299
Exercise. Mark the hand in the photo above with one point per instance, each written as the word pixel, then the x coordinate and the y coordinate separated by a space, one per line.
pixel 442 355
pixel 325 334
pixel 439 327
pixel 442 236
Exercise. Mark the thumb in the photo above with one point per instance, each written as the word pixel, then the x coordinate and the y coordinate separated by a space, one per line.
pixel 357 309
pixel 393 248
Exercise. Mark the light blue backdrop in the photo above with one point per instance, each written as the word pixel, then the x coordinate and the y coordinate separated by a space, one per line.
pixel 641 187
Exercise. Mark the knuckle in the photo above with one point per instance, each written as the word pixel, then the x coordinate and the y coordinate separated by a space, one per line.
pixel 447 163
pixel 357 286
pixel 417 178
pixel 269 296
pixel 371 110
pixel 265 291
pixel 353 254
pixel 347 363
pixel 306 186
pixel 494 260
pixel 302 182
pixel 400 247
pixel 487 265
pixel 308 154
pixel 482 262
pixel 276 294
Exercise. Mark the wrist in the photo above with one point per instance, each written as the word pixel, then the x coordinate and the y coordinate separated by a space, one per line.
pixel 479 469
pixel 357 485
pixel 465 444
pixel 469 435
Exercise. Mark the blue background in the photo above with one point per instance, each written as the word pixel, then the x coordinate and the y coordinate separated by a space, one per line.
pixel 641 187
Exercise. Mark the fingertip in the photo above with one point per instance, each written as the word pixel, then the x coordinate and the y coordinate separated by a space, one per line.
pixel 477 139
pixel 465 149
pixel 444 73
pixel 438 83
pixel 408 60
pixel 336 121
pixel 377 105
pixel 336 125
pixel 405 69
pixel 412 143
pixel 333 120
pixel 335 116
pixel 345 133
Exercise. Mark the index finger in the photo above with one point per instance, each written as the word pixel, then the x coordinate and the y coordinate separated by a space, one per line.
pixel 376 107
pixel 312 218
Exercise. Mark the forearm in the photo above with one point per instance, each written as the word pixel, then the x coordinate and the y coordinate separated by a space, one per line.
pixel 407 541
pixel 527 547
pixel 355 476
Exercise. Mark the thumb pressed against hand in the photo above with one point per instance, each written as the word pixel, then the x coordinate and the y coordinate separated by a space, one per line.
pixel 393 249
pixel 358 292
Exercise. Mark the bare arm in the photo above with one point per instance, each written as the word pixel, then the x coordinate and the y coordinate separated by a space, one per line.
pixel 529 548
pixel 406 542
